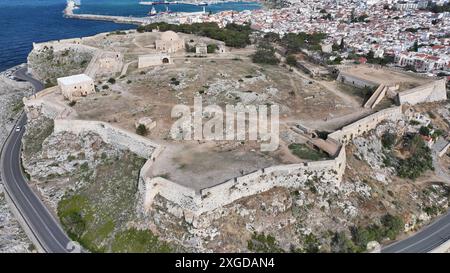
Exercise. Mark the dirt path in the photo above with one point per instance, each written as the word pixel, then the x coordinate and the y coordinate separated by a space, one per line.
pixel 330 86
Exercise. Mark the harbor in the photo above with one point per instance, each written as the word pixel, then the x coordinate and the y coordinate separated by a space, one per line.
pixel 187 2
pixel 153 17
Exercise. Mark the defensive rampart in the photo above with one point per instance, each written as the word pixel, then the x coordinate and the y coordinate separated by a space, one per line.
pixel 194 203
pixel 359 127
pixel 433 91
pixel 110 134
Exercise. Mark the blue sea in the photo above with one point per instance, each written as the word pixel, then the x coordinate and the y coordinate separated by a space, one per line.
pixel 132 7
pixel 23 22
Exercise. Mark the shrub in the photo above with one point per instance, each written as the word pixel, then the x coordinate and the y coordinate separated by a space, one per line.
pixel 419 161
pixel 112 80
pixel 272 37
pixel 390 227
pixel 211 48
pixel 311 244
pixel 437 133
pixel 141 130
pixel 71 212
pixel 340 243
pixel 262 243
pixel 363 235
pixel 431 115
pixel 414 122
pixel 291 60
pixel 189 49
pixel 138 241
pixel 304 152
pixel 175 82
pixel 388 140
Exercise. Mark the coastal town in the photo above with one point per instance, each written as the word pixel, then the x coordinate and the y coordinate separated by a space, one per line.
pixel 407 34
pixel 301 126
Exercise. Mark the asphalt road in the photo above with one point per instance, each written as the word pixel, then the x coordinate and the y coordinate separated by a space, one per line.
pixel 427 239
pixel 431 236
pixel 53 239
pixel 40 221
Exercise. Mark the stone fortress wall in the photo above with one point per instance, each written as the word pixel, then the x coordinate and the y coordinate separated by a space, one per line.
pixel 193 203
pixel 428 92
pixel 63 43
pixel 37 105
pixel 359 127
pixel 433 91
pixel 189 203
pixel 350 79
pixel 103 62
pixel 115 136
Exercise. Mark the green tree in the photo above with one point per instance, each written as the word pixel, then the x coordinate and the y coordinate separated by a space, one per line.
pixel 393 225
pixel 414 47
pixel 342 44
pixel 265 54
pixel 424 130
pixel 272 37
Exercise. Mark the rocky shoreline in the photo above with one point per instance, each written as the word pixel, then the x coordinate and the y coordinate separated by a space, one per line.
pixel 12 238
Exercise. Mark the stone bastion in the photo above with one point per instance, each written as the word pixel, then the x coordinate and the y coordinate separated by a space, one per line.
pixel 190 204
pixel 187 202
pixel 115 136
pixel 428 89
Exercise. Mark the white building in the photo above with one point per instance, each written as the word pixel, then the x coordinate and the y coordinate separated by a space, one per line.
pixel 73 87
pixel 201 49
pixel 154 60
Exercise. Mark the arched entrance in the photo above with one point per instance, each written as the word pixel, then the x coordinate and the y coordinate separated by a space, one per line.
pixel 165 60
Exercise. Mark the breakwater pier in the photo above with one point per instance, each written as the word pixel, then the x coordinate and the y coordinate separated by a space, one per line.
pixel 164 17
